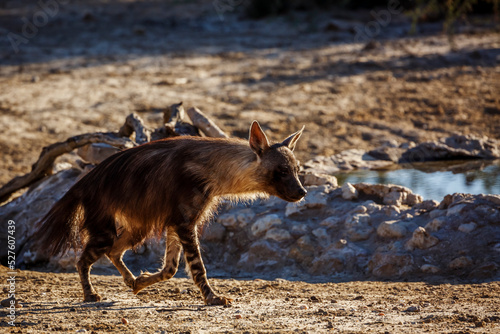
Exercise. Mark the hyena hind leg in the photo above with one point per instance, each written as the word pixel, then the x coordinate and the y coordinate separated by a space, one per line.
pixel 170 264
pixel 94 249
pixel 115 255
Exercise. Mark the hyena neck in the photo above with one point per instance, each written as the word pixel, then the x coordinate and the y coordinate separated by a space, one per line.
pixel 235 174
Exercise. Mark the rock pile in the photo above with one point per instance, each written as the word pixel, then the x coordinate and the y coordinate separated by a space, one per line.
pixel 358 230
pixel 454 147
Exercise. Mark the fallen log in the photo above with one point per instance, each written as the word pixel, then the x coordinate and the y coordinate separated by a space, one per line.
pixel 205 124
pixel 43 166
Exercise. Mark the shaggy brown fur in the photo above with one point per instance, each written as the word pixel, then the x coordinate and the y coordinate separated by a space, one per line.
pixel 165 187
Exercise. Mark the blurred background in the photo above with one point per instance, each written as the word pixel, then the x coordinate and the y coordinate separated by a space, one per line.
pixel 358 74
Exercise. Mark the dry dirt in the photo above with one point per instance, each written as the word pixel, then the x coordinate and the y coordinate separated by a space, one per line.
pixel 97 61
pixel 52 302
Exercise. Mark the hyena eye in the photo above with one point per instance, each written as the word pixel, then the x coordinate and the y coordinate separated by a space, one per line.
pixel 282 172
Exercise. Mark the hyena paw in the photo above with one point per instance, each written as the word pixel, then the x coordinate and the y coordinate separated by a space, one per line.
pixel 141 282
pixel 130 282
pixel 92 297
pixel 218 300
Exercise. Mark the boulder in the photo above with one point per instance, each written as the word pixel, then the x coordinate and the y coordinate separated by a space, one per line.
pixel 454 147
pixel 213 232
pixel 263 224
pixel 390 265
pixel 461 262
pixel 318 179
pixel 278 234
pixel 245 217
pixel 316 198
pixel 435 224
pixel 261 254
pixel 456 209
pixel 421 239
pixel 322 236
pixel 228 220
pixel 467 227
pixel 349 192
pixel 392 229
pixel 430 269
pixel 357 226
pixel 391 194
pixel 331 222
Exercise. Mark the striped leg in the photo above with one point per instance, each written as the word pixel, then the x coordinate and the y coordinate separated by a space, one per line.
pixel 190 244
pixel 116 254
pixel 170 264
pixel 94 249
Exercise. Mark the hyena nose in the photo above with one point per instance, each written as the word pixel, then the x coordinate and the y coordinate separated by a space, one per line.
pixel 302 192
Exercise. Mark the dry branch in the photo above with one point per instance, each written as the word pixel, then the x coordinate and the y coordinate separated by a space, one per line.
pixel 175 125
pixel 173 114
pixel 133 123
pixel 205 124
pixel 49 154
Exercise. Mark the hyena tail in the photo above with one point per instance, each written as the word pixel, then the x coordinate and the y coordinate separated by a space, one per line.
pixel 56 231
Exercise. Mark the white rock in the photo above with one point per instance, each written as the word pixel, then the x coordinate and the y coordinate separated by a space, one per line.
pixel 455 209
pixel 359 209
pixel 394 198
pixel 278 234
pixel 391 229
pixel 430 269
pixel 391 211
pixel 293 209
pixel 61 166
pixel 407 216
pixel 298 229
pixel 349 192
pixel 360 233
pixel 316 179
pixel 427 205
pixel 315 199
pixel 245 217
pixel 95 153
pixel 437 213
pixel 228 220
pixel 331 222
pixel 435 224
pixel 263 224
pixel 357 219
pixel 421 239
pixel 467 228
pixel 372 207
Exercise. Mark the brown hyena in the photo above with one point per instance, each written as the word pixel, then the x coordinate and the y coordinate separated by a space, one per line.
pixel 165 187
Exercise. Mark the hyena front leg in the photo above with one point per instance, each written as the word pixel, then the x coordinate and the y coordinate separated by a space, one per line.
pixel 190 243
pixel 170 264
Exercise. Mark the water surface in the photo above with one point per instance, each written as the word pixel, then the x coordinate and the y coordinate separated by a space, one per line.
pixel 434 180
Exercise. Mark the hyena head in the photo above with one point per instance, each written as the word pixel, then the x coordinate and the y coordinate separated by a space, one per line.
pixel 278 167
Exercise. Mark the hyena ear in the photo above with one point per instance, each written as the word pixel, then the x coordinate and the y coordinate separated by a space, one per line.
pixel 292 140
pixel 258 140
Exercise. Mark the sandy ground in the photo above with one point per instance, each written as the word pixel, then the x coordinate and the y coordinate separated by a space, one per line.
pixel 98 61
pixel 52 302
